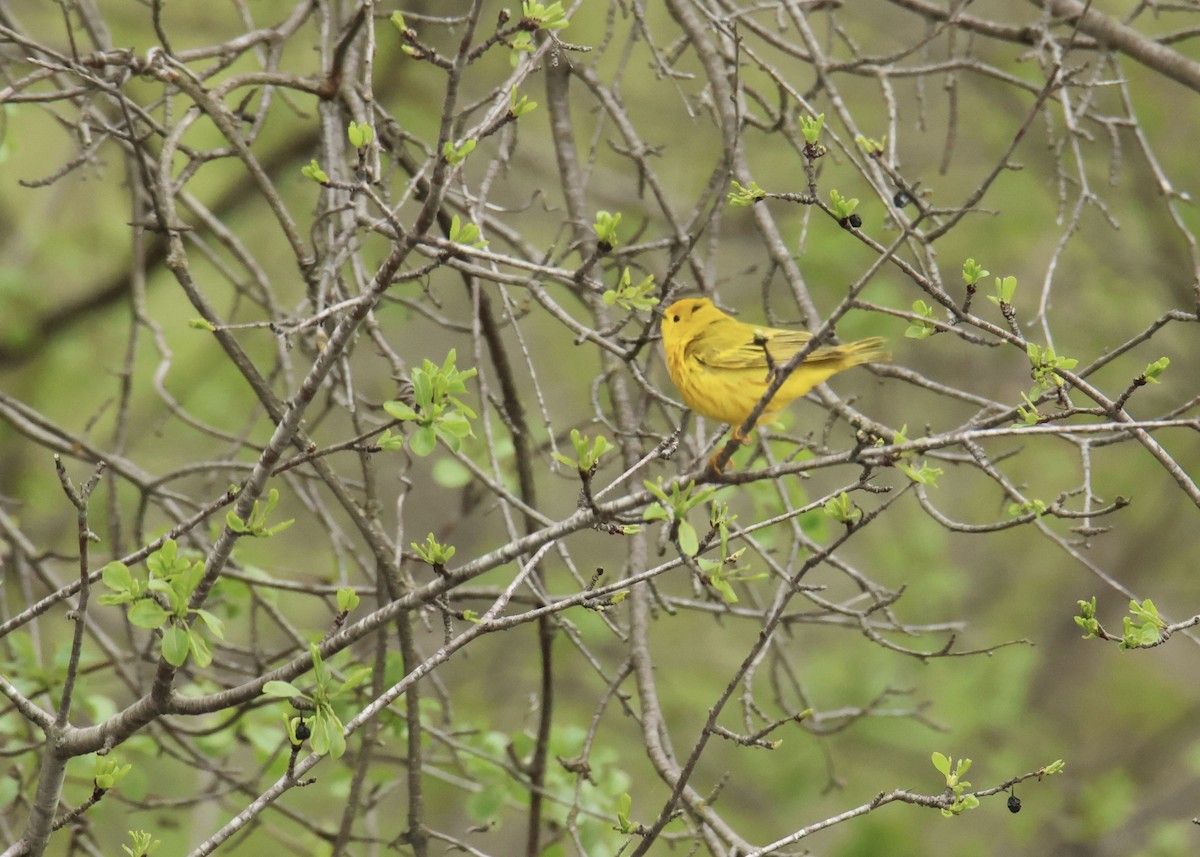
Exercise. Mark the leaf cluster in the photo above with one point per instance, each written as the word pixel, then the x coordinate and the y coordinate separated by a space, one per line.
pixel 326 729
pixel 438 413
pixel 160 602
pixel 673 507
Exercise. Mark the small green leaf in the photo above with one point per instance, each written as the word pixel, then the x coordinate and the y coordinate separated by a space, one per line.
pixel 606 228
pixel 215 626
pixel 278 528
pixel 1028 412
pixel 116 576
pixel 632 297
pixel 401 411
pixel 175 645
pixel 281 688
pixel 624 805
pixel 148 614
pixel 743 196
pixel 143 844
pixel 973 272
pixel 157 584
pixel 810 127
pixel 1091 628
pixel 921 329
pixel 199 647
pixel 544 17
pixel 327 737
pixel 689 542
pixel 655 512
pixel 347 600
pixel 313 171
pixel 521 43
pixel 455 423
pixel 457 153
pixel 465 233
pixel 842 509
pixel 1006 288
pixel 360 135
pixel 1155 370
pixel 925 475
pixel 423 441
pixel 519 106
pixel 841 206
pixel 162 563
pixel 1087 619
pixel 723 588
pixel 871 146
pixel 388 441
pixel 107 772
pixel 354 680
pixel 433 552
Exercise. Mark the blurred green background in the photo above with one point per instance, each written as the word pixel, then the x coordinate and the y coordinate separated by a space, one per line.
pixel 1123 721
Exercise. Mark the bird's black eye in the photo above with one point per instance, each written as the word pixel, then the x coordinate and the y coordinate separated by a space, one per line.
pixel 675 318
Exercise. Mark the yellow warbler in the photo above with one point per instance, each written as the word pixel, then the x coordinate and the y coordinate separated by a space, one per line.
pixel 723 366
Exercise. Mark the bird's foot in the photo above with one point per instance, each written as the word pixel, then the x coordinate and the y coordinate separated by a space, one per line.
pixel 714 463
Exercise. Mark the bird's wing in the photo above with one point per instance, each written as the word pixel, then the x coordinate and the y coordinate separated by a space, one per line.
pixel 750 349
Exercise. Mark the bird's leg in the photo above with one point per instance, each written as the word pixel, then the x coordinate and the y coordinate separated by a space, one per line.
pixel 737 435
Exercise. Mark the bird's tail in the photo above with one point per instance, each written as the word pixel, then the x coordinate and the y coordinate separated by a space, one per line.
pixel 869 350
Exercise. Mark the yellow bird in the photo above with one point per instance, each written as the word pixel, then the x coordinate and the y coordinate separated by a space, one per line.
pixel 723 366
